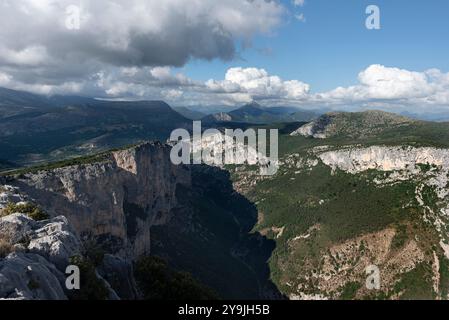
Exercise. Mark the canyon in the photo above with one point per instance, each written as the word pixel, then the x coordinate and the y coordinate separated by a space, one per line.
pixel 115 203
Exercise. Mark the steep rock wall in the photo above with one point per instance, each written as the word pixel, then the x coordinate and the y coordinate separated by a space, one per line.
pixel 115 201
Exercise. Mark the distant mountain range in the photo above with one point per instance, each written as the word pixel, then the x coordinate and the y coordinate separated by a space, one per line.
pixel 15 98
pixel 36 128
pixel 255 113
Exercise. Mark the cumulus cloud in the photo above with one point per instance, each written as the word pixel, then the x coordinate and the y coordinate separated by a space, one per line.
pixel 36 45
pixel 143 83
pixel 380 83
pixel 240 85
pixel 258 84
pixel 378 87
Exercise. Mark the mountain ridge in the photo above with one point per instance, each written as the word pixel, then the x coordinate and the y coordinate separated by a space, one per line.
pixel 368 122
pixel 258 114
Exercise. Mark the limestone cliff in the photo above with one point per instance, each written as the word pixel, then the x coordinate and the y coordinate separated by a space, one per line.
pixel 115 201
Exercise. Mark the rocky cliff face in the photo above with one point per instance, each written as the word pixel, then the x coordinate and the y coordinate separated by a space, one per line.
pixel 116 201
pixel 111 204
pixel 357 159
pixel 428 167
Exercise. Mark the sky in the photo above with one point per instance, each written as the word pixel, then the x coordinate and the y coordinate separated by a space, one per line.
pixel 305 53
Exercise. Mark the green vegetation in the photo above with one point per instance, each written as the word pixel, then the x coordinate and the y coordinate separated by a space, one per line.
pixel 91 287
pixel 76 161
pixel 334 207
pixel 66 129
pixel 430 197
pixel 416 284
pixel 30 209
pixel 351 205
pixel 158 282
pixel 60 164
pixel 350 290
pixel 93 252
pixel 343 205
pixel 444 276
pixel 424 167
pixel 400 237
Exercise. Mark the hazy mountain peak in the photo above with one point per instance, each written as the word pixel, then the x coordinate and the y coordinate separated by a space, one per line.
pixel 253 104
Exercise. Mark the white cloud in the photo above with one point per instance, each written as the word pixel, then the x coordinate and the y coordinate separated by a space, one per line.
pixel 298 3
pixel 379 87
pixel 396 85
pixel 381 82
pixel 172 94
pixel 29 56
pixel 66 87
pixel 258 84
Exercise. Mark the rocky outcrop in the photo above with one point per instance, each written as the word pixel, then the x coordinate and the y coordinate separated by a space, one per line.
pixel 218 117
pixel 115 201
pixel 316 129
pixel 9 194
pixel 356 125
pixel 31 277
pixel 54 239
pixel 39 254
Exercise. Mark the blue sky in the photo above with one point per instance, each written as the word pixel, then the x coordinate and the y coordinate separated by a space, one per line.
pixel 332 46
